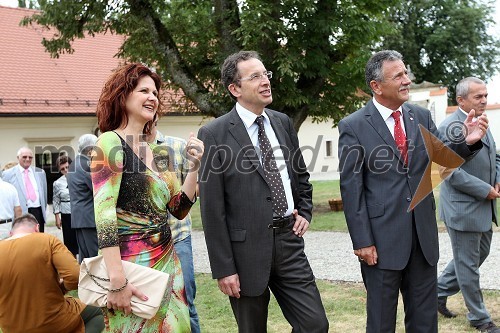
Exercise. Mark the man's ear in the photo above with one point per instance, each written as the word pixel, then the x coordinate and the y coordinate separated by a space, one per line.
pixel 37 227
pixel 234 90
pixel 375 85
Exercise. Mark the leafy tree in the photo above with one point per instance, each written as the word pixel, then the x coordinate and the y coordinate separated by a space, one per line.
pixel 316 49
pixel 446 40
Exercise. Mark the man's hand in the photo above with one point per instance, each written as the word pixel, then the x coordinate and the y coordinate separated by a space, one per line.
pixel 493 194
pixel 301 224
pixel 475 129
pixel 497 187
pixel 367 255
pixel 230 285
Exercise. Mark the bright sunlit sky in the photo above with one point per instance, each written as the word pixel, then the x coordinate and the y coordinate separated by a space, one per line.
pixel 493 86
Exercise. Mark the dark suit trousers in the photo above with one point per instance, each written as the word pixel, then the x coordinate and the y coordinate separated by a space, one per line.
pixel 292 283
pixel 87 242
pixel 38 214
pixel 417 282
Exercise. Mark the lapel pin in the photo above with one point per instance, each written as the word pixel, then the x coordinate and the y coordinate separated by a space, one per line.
pixel 411 118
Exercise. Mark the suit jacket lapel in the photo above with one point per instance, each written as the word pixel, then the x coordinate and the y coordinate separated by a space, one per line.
pixel 19 179
pixel 239 132
pixel 378 123
pixel 411 129
pixel 488 138
pixel 283 139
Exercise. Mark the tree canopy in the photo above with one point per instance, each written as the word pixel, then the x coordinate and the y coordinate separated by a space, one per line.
pixel 446 40
pixel 317 50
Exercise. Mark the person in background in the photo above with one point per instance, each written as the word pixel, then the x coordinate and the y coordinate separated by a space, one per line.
pixel 9 165
pixel 9 207
pixel 383 160
pixel 36 270
pixel 256 206
pixel 31 185
pixel 82 198
pixel 467 206
pixel 181 229
pixel 134 191
pixel 61 205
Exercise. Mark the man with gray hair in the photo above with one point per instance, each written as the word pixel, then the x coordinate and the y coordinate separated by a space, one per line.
pixel 82 198
pixel 467 207
pixel 31 185
pixel 382 150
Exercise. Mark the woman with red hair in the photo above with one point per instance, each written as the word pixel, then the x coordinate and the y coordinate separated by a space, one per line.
pixel 134 192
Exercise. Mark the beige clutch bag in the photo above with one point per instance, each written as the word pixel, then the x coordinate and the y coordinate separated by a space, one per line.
pixel 93 285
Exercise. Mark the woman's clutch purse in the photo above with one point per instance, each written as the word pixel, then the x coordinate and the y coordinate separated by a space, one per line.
pixel 94 285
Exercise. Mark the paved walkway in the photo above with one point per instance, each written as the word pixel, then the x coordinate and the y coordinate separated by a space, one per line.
pixel 331 257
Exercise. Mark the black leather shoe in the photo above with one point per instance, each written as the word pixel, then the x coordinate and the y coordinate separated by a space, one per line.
pixel 488 328
pixel 442 309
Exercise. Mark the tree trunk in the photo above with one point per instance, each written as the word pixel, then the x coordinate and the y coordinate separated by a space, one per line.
pixel 299 117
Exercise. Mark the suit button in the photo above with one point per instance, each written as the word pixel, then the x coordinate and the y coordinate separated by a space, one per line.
pixel 408 199
pixel 269 199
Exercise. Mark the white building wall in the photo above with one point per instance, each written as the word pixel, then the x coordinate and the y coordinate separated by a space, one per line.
pixel 313 138
pixel 181 126
pixel 494 122
pixel 41 134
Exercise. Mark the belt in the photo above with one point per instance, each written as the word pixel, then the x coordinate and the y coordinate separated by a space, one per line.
pixel 5 221
pixel 280 222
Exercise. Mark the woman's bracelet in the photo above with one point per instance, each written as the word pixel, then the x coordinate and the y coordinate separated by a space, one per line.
pixel 119 289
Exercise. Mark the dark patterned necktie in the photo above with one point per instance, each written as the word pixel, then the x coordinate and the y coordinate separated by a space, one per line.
pixel 273 177
pixel 399 136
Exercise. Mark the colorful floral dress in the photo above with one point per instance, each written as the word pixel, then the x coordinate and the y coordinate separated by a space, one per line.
pixel 131 204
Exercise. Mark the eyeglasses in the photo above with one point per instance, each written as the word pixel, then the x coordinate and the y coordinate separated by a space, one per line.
pixel 256 76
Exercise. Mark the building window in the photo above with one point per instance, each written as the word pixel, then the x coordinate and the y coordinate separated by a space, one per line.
pixel 329 148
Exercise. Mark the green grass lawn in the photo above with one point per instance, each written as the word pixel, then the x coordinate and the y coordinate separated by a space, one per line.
pixel 344 304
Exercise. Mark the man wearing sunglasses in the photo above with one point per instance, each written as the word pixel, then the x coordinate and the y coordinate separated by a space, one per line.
pixel 31 185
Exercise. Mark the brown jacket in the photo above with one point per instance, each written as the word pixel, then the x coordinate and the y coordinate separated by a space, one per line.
pixel 30 297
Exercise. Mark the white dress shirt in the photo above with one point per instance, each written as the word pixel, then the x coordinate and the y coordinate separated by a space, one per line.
pixel 248 118
pixel 31 174
pixel 386 114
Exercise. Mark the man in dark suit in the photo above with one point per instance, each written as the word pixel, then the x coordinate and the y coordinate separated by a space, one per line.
pixel 468 206
pixel 383 158
pixel 31 185
pixel 256 203
pixel 82 198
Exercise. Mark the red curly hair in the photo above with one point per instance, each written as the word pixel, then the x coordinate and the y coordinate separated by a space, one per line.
pixel 111 112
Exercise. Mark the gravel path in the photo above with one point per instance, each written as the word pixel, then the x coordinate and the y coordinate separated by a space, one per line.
pixel 331 257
